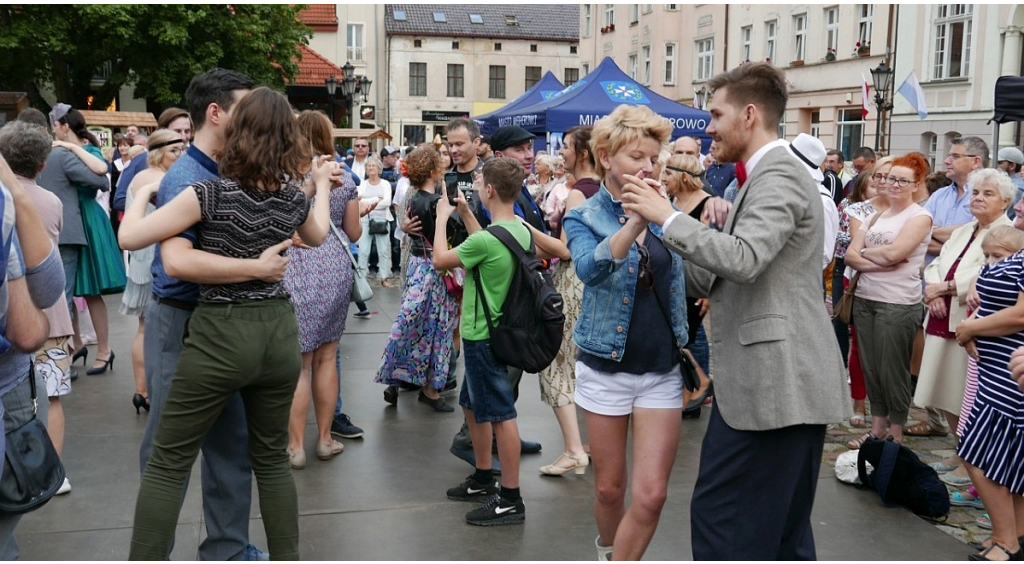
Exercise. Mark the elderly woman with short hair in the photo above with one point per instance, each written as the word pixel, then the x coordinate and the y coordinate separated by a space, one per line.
pixel 948 279
pixel 375 191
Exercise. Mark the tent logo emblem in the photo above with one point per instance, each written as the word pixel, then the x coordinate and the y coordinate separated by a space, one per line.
pixel 626 92
pixel 549 94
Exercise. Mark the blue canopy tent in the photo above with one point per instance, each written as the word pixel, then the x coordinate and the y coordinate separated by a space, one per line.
pixel 597 95
pixel 544 90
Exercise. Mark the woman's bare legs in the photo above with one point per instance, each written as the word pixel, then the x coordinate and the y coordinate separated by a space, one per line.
pixel 300 407
pixel 325 387
pixel 139 360
pixel 98 314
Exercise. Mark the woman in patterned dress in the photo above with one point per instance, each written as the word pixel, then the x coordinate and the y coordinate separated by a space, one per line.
pixel 422 336
pixel 320 282
pixel 558 380
pixel 993 436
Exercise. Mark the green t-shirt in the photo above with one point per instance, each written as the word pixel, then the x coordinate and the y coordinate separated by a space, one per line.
pixel 496 265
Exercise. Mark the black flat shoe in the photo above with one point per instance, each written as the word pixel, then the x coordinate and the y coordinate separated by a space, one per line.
pixel 391 395
pixel 102 369
pixel 983 555
pixel 437 404
pixel 692 413
pixel 140 402
pixel 698 401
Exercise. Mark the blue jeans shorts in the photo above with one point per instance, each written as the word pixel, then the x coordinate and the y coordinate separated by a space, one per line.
pixel 486 389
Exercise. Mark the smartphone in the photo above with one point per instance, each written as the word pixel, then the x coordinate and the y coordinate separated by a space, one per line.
pixel 451 183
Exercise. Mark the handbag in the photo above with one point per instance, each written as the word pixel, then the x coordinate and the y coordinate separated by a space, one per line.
pixel 361 290
pixel 379 227
pixel 843 311
pixel 691 381
pixel 32 471
pixel 454 279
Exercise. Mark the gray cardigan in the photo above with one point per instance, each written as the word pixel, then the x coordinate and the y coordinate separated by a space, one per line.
pixel 62 172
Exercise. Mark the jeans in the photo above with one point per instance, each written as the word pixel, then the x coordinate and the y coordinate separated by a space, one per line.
pixel 226 471
pixel 383 251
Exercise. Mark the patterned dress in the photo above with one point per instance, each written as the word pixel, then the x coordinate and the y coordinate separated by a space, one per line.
pixel 558 380
pixel 993 437
pixel 319 279
pixel 423 334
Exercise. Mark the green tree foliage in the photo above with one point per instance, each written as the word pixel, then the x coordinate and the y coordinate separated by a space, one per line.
pixel 157 48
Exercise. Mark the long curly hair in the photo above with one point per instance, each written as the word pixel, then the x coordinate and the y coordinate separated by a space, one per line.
pixel 263 145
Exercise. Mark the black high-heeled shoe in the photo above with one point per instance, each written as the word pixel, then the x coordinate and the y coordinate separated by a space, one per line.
pixel 82 353
pixel 140 402
pixel 107 364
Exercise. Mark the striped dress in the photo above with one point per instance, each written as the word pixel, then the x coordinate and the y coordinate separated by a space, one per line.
pixel 993 437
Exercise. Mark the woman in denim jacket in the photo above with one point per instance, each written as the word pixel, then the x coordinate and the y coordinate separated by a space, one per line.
pixel 630 280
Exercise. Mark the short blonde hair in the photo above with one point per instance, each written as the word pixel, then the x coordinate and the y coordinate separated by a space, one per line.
pixel 1004 236
pixel 548 160
pixel 158 137
pixel 373 160
pixel 689 180
pixel 624 126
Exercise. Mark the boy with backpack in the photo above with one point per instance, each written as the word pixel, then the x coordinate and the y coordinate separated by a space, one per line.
pixel 486 395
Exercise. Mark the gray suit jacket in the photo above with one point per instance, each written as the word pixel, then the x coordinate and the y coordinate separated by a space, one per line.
pixel 777 362
pixel 63 171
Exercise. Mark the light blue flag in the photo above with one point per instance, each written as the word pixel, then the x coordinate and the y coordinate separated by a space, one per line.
pixel 911 90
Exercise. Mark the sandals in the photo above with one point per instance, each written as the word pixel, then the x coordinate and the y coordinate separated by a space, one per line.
pixel 983 555
pixel 965 499
pixel 855 444
pixel 923 429
pixel 860 421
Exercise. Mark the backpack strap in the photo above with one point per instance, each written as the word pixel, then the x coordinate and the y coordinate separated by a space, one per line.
pixel 886 465
pixel 510 242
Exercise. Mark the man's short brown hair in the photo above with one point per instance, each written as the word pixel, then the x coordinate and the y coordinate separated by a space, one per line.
pixel 506 175
pixel 761 84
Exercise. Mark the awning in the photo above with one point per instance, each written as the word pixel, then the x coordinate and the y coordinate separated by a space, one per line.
pixel 119 119
pixel 356 133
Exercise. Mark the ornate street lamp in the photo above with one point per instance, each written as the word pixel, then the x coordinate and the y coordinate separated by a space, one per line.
pixel 332 85
pixel 364 88
pixel 348 84
pixel 882 77
pixel 700 97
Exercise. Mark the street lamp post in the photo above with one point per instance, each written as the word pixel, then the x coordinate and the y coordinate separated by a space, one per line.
pixel 700 97
pixel 882 77
pixel 350 86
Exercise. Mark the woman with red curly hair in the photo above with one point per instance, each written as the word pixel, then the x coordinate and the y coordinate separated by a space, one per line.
pixel 888 250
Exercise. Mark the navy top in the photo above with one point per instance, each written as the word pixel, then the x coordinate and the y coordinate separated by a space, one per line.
pixel 719 176
pixel 135 166
pixel 650 334
pixel 194 166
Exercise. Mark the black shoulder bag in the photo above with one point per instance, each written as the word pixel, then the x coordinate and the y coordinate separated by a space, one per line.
pixel 32 471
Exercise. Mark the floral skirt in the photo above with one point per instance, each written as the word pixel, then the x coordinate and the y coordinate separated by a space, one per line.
pixel 422 335
pixel 558 380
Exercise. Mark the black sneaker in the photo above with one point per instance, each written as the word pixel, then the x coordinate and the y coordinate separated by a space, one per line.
pixel 343 427
pixel 365 314
pixel 474 491
pixel 498 511
pixel 391 395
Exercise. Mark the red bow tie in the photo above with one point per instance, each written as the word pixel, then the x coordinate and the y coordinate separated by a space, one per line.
pixel 741 174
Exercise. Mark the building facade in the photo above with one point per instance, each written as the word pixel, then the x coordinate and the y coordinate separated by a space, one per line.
pixel 669 48
pixel 956 51
pixel 445 61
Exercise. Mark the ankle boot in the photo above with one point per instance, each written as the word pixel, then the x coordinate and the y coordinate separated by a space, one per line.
pixel 604 553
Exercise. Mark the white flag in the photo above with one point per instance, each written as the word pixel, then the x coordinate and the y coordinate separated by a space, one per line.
pixel 911 90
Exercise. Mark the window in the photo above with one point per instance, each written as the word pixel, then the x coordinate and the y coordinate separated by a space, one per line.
pixel 953 26
pixel 705 58
pixel 400 16
pixel 609 14
pixel 455 45
pixel 587 20
pixel 634 14
pixel 586 69
pixel 816 124
pixel 417 79
pixel 631 67
pixel 799 37
pixel 476 19
pixel 782 126
pixel 745 34
pixel 414 134
pixel 439 17
pixel 572 76
pixel 511 20
pixel 670 63
pixel 533 47
pixel 497 46
pixel 355 42
pixel 417 43
pixel 645 64
pixel 770 30
pixel 496 82
pixel 532 76
pixel 573 49
pixel 867 13
pixel 832 28
pixel 647 9
pixel 456 81
pixel 672 7
pixel 930 147
pixel 850 131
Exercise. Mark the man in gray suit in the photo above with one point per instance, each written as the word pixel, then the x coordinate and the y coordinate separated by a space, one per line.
pixel 779 378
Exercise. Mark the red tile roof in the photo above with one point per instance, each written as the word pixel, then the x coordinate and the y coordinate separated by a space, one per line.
pixel 320 17
pixel 314 68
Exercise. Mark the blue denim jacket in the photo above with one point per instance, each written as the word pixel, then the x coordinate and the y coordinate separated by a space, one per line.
pixel 609 284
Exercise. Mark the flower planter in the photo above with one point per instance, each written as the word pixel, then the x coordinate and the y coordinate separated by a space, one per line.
pixel 863 53
pixel 796 63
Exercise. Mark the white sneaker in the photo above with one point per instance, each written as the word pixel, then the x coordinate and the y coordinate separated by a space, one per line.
pixel 65 487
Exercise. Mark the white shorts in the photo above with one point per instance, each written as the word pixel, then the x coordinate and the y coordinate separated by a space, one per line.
pixel 617 393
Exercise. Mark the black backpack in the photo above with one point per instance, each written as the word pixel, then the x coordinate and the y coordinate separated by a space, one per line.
pixel 529 332
pixel 901 478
